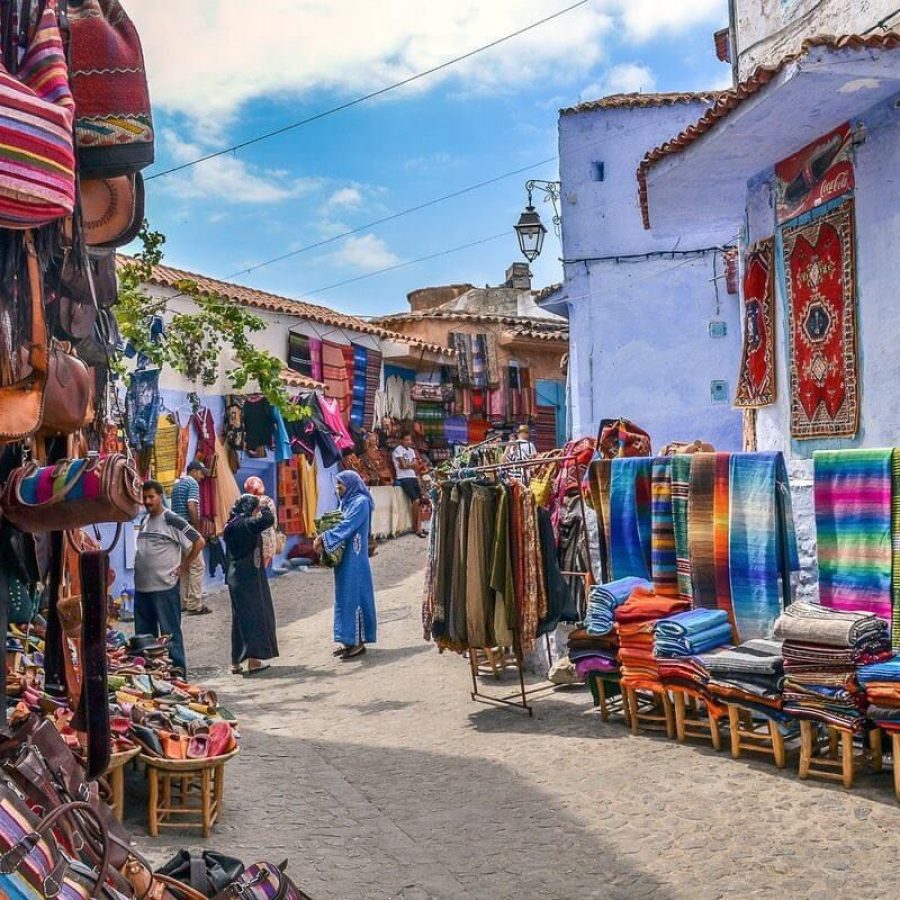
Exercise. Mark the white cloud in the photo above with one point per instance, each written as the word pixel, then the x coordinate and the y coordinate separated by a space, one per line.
pixel 431 162
pixel 367 252
pixel 347 197
pixel 626 78
pixel 229 179
pixel 644 19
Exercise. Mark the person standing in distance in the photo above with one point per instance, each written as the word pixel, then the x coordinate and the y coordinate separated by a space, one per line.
pixel 407 467
pixel 167 546
pixel 186 505
pixel 520 449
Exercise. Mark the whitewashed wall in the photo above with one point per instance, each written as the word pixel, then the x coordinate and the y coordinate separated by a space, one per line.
pixel 769 30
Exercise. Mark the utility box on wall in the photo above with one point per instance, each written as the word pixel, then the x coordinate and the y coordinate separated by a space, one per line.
pixel 718 391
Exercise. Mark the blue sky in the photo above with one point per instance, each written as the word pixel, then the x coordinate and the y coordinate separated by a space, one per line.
pixel 226 75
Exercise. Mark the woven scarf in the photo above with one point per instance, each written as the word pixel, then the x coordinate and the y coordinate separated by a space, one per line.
pixel 853 497
pixel 663 567
pixel 630 529
pixel 681 488
pixel 599 478
pixel 700 530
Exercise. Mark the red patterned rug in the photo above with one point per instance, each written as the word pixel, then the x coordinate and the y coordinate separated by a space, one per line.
pixel 756 381
pixel 820 267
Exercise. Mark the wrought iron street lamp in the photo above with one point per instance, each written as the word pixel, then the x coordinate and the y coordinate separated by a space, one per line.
pixel 529 229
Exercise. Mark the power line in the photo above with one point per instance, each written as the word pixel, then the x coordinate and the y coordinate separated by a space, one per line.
pixel 403 265
pixel 390 218
pixel 370 96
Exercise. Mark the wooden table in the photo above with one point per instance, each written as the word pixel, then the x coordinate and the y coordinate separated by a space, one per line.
pixel 173 783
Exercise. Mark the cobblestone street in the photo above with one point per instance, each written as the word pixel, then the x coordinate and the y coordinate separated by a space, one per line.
pixel 379 778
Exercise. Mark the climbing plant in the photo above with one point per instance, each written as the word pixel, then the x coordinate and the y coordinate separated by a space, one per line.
pixel 194 343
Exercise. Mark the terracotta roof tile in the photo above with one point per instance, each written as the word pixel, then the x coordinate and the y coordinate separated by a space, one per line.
pixel 729 100
pixel 166 276
pixel 641 101
pixel 536 325
pixel 543 293
pixel 532 334
pixel 296 380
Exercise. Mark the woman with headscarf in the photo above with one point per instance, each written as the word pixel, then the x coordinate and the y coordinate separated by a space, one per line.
pixel 255 485
pixel 355 621
pixel 253 637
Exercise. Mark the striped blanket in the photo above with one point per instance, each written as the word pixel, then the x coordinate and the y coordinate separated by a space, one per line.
pixel 600 476
pixel 662 528
pixel 681 488
pixel 700 530
pixel 630 531
pixel 853 498
pixel 895 550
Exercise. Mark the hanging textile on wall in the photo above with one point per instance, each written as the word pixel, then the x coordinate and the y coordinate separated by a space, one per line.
pixel 373 384
pixel 165 452
pixel 462 344
pixel 142 406
pixel 630 526
pixel 681 488
pixel 297 497
pixel 299 354
pixel 756 379
pixel 334 374
pixel 205 428
pixel 492 370
pixel 315 357
pixel 853 498
pixel 821 291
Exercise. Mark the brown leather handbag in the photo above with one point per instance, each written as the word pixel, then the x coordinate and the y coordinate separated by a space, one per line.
pixel 22 403
pixel 69 399
pixel 72 494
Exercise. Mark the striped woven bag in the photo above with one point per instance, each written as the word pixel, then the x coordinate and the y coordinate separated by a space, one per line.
pixel 37 156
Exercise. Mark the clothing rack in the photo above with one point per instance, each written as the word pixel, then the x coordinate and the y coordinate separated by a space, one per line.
pixel 476 694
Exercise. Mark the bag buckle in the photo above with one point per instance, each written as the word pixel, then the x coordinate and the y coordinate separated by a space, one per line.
pixel 13 857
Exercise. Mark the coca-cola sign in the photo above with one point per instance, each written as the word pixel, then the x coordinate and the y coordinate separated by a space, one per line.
pixel 820 172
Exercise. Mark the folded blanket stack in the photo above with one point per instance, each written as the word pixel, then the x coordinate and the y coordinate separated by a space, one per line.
pixel 679 641
pixel 593 653
pixel 823 649
pixel 636 621
pixel 605 599
pixel 881 682
pixel 751 674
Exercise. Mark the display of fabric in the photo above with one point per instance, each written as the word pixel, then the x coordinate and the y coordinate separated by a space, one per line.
pixel 756 378
pixel 259 423
pixel 663 565
pixel 573 553
pixel 234 420
pixel 300 354
pixel 591 653
pixel 226 488
pixel 630 527
pixel 479 374
pixel 165 452
pixel 544 428
pixel 330 415
pixel 853 501
pixel 373 383
pixel 334 375
pixel 599 480
pixel 476 430
pixel 398 402
pixel 456 430
pixel 431 416
pixel 315 359
pixel 692 632
pixel 297 497
pixel 605 599
pixel 820 269
pixel 461 344
pixel 681 485
pixel 751 674
pixel 822 650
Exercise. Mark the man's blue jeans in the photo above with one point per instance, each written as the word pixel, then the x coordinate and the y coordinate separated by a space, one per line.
pixel 159 612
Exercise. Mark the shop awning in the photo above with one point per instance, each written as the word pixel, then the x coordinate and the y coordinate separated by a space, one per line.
pixel 777 111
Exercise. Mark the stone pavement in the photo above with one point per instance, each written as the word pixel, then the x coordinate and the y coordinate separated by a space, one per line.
pixel 379 778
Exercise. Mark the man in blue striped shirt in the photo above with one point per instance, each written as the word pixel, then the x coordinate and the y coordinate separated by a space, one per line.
pixel 186 504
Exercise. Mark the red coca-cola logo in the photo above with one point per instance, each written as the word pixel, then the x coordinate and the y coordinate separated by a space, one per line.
pixel 836 185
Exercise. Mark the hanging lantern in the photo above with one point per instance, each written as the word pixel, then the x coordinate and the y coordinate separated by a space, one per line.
pixel 530 232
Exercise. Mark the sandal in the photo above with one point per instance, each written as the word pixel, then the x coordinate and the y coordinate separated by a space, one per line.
pixel 203 611
pixel 256 670
pixel 341 650
pixel 353 652
pixel 237 670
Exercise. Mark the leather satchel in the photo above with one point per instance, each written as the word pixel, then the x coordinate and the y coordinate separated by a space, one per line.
pixel 72 494
pixel 206 871
pixel 22 403
pixel 69 399
pixel 263 881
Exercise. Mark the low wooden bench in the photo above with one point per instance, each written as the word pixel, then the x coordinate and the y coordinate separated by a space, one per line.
pixel 659 715
pixel 827 752
pixel 753 734
pixel 694 722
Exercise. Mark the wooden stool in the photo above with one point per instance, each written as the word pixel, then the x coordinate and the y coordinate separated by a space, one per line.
pixel 690 722
pixel 659 716
pixel 608 695
pixel 115 775
pixel 172 782
pixel 755 736
pixel 895 753
pixel 839 763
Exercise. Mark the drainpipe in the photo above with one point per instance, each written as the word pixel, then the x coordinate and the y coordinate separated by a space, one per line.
pixel 733 36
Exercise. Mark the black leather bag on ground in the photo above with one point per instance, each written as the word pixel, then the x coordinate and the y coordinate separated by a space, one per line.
pixel 205 871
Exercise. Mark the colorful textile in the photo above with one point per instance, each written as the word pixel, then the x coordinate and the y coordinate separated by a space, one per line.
pixel 165 452
pixel 373 383
pixel 663 569
pixel 205 428
pixel 605 599
pixel 762 545
pixel 334 375
pixel 645 606
pixel 492 371
pixel 756 379
pixel 599 477
pixel 315 359
pixel 853 499
pixel 142 405
pixel 461 343
pixel 895 550
pixel 691 632
pixel 681 488
pixel 299 354
pixel 630 528
pixel 234 420
pixel 820 269
pixel 811 623
pixel 701 531
pixel 360 362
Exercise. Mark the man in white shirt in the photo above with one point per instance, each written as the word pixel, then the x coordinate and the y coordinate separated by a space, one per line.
pixel 519 449
pixel 406 465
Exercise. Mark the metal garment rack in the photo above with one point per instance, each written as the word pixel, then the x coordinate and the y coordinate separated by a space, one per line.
pixel 523 694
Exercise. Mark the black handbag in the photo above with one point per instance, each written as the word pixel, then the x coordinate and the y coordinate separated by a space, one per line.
pixel 205 871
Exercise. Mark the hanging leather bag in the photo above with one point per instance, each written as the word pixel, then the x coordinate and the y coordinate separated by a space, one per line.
pixel 69 401
pixel 72 494
pixel 37 156
pixel 113 124
pixel 22 403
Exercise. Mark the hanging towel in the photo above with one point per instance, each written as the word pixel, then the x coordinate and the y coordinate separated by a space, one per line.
pixel 853 498
pixel 662 538
pixel 762 542
pixel 630 529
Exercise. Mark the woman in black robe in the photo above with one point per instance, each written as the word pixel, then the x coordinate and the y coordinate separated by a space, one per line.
pixel 253 637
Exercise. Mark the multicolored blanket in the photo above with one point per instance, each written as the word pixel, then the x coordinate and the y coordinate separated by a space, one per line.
pixel 681 489
pixel 663 568
pixel 854 505
pixel 630 527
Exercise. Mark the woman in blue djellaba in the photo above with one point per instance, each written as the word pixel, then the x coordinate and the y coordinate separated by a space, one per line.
pixel 355 620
